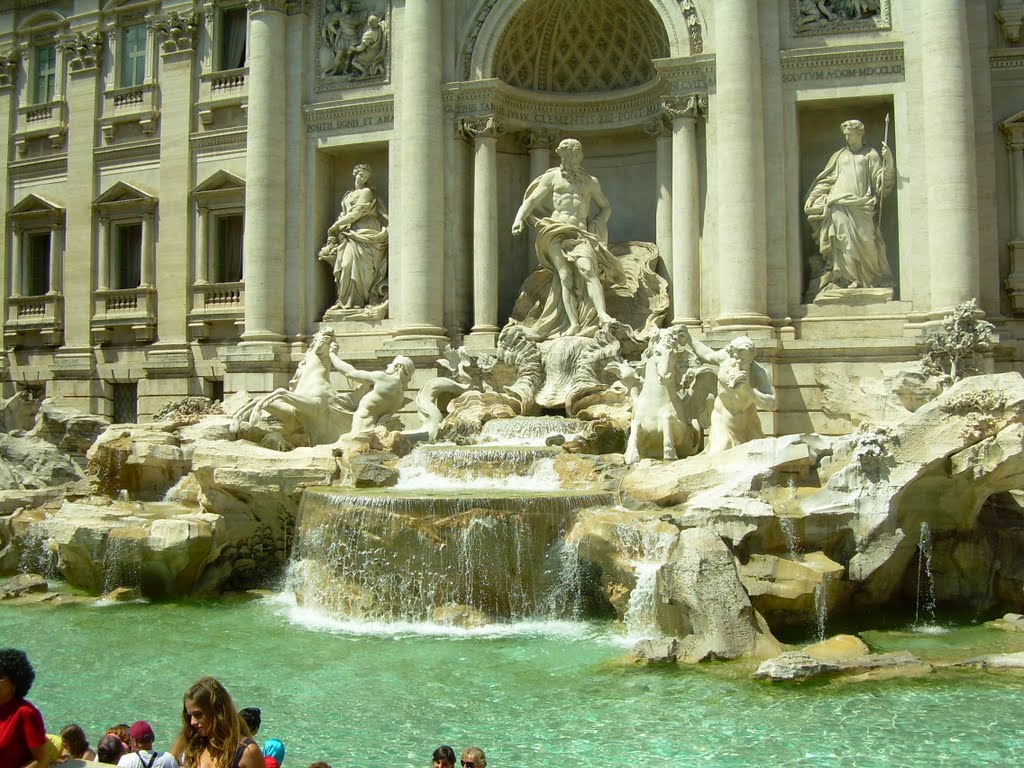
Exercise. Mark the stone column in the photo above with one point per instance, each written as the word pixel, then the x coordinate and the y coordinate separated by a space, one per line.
pixel 1014 131
pixel 265 204
pixel 203 247
pixel 660 129
pixel 742 251
pixel 685 212
pixel 951 170
pixel 484 132
pixel 103 260
pixel 420 133
pixel 16 263
pixel 56 266
pixel 147 251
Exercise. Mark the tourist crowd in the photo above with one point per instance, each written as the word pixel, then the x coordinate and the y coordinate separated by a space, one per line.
pixel 213 733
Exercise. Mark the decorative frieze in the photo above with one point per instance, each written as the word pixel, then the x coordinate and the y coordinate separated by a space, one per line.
pixel 84 50
pixel 693 26
pixel 355 116
pixel 177 31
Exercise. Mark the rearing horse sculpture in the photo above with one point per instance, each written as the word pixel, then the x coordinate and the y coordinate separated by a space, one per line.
pixel 670 400
pixel 310 404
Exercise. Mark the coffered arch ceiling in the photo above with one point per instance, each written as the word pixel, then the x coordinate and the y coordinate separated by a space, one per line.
pixel 568 46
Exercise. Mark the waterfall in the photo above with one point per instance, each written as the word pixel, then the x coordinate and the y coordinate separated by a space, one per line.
pixel 788 526
pixel 399 554
pixel 37 556
pixel 459 468
pixel 821 605
pixel 924 604
pixel 122 563
pixel 650 552
pixel 529 430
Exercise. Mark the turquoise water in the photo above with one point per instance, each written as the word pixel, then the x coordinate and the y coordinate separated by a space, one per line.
pixel 356 695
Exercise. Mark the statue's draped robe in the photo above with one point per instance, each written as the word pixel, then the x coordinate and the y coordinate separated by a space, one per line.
pixel 553 318
pixel 841 210
pixel 360 258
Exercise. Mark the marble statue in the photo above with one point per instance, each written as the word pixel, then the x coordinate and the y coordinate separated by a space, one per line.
pixel 842 209
pixel 670 400
pixel 357 246
pixel 572 243
pixel 380 394
pixel 743 387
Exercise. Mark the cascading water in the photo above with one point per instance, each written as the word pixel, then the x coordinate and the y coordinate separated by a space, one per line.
pixel 651 550
pixel 529 430
pixel 121 564
pixel 456 467
pixel 402 554
pixel 924 605
pixel 821 594
pixel 788 526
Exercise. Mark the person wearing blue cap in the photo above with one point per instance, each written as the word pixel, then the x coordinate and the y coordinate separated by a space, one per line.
pixel 273 753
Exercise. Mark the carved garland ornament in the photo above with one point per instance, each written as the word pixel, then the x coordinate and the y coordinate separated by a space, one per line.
pixel 480 127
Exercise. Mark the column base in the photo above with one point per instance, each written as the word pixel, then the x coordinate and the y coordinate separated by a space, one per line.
pixel 262 337
pixel 483 338
pixel 746 321
pixel 257 367
pixel 689 322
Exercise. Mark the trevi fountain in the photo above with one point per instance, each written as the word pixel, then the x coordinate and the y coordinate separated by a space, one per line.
pixel 578 535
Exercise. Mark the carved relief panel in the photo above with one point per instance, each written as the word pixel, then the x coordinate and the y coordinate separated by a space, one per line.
pixel 830 17
pixel 354 43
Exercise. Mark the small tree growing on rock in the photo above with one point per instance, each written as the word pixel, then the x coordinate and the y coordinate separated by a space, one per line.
pixel 954 351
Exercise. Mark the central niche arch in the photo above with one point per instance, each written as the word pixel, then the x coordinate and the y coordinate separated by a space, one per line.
pixel 564 46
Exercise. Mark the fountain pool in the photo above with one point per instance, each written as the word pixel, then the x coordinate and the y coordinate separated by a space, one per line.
pixel 357 693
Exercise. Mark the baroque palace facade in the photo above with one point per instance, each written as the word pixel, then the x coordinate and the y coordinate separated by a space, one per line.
pixel 172 170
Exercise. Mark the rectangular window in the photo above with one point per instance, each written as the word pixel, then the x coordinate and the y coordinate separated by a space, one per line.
pixel 133 55
pixel 126 403
pixel 229 248
pixel 233 24
pixel 127 256
pixel 45 81
pixel 37 264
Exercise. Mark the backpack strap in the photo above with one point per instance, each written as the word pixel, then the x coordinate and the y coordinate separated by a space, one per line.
pixel 152 759
pixel 239 752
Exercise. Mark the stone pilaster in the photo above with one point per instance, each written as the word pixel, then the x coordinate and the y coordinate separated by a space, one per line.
pixel 738 115
pixel 8 75
pixel 265 203
pixel 85 64
pixel 176 35
pixel 951 168
pixel 484 132
pixel 420 132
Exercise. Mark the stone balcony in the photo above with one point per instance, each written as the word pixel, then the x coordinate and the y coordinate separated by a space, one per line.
pixel 34 319
pixel 47 121
pixel 221 90
pixel 216 304
pixel 134 105
pixel 124 309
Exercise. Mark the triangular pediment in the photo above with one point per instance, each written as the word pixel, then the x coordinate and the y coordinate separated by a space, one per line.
pixel 34 204
pixel 1013 127
pixel 221 181
pixel 123 193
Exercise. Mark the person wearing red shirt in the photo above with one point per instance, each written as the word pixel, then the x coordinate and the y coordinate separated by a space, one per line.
pixel 22 733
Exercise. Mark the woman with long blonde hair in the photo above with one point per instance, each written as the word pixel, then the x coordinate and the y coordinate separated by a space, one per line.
pixel 212 733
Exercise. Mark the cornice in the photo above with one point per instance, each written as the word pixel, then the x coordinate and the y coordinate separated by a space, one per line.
pixel 232 138
pixel 1007 58
pixel 687 75
pixel 39 168
pixel 148 150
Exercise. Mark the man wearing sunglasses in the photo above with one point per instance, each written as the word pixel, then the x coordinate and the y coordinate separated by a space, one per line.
pixel 473 757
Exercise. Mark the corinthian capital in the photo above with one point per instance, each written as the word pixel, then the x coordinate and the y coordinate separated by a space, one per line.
pixel 84 50
pixel 538 138
pixel 480 127
pixel 8 67
pixel 177 31
pixel 256 6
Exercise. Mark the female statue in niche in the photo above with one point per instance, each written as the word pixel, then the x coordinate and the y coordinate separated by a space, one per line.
pixel 357 246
